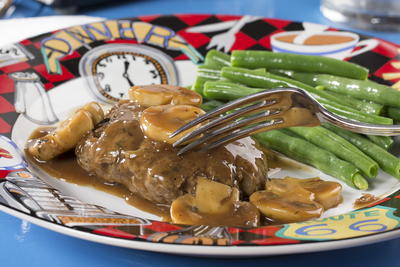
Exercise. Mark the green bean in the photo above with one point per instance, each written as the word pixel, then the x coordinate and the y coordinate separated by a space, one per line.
pixel 394 113
pixel 222 90
pixel 303 63
pixel 199 83
pixel 385 142
pixel 367 90
pixel 211 104
pixel 217 59
pixel 386 161
pixel 298 76
pixel 268 80
pixel 366 106
pixel 306 152
pixel 360 182
pixel 289 132
pixel 339 146
pixel 205 73
pixel 209 71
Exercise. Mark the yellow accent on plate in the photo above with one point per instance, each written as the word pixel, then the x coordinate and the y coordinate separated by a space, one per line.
pixel 356 223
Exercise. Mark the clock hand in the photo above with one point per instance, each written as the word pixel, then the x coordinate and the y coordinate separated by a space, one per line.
pixel 126 64
pixel 126 75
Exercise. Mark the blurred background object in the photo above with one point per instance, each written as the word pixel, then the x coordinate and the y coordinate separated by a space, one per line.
pixel 24 8
pixel 6 8
pixel 34 8
pixel 378 15
pixel 72 6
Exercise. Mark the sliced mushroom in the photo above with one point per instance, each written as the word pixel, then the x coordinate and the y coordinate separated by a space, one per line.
pixel 286 201
pixel 162 94
pixel 159 122
pixel 214 204
pixel 67 134
pixel 184 211
pixel 328 194
pixel 215 198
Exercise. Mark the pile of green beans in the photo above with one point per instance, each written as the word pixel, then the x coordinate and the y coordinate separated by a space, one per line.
pixel 339 146
pixel 306 152
pixel 388 162
pixel 339 86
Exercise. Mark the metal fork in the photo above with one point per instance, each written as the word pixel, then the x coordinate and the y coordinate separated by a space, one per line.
pixel 267 110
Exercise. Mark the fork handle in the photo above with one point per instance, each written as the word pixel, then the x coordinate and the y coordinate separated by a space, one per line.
pixel 358 127
pixel 239 24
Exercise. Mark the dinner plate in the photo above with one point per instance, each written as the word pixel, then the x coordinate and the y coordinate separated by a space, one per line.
pixel 45 78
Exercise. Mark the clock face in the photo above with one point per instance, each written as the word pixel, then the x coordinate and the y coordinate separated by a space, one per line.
pixel 111 69
pixel 115 72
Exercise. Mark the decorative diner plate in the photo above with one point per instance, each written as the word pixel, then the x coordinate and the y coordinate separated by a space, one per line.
pixel 42 79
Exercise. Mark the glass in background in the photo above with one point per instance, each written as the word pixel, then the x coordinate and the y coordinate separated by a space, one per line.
pixel 377 15
pixel 24 8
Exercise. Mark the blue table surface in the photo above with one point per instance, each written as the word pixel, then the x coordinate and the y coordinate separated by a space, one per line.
pixel 25 244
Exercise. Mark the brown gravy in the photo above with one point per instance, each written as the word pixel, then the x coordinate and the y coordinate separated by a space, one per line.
pixel 365 200
pixel 317 39
pixel 275 161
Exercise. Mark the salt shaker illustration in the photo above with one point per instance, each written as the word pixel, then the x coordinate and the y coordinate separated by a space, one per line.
pixel 31 98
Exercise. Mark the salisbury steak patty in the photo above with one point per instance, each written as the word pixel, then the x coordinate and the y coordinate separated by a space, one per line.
pixel 117 151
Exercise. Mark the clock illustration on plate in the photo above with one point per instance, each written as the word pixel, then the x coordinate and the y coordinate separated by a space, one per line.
pixel 111 69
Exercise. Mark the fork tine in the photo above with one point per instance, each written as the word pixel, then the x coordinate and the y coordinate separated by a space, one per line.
pixel 227 48
pixel 227 107
pixel 259 117
pixel 189 146
pixel 285 118
pixel 263 116
pixel 211 44
pixel 245 132
pixel 228 117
